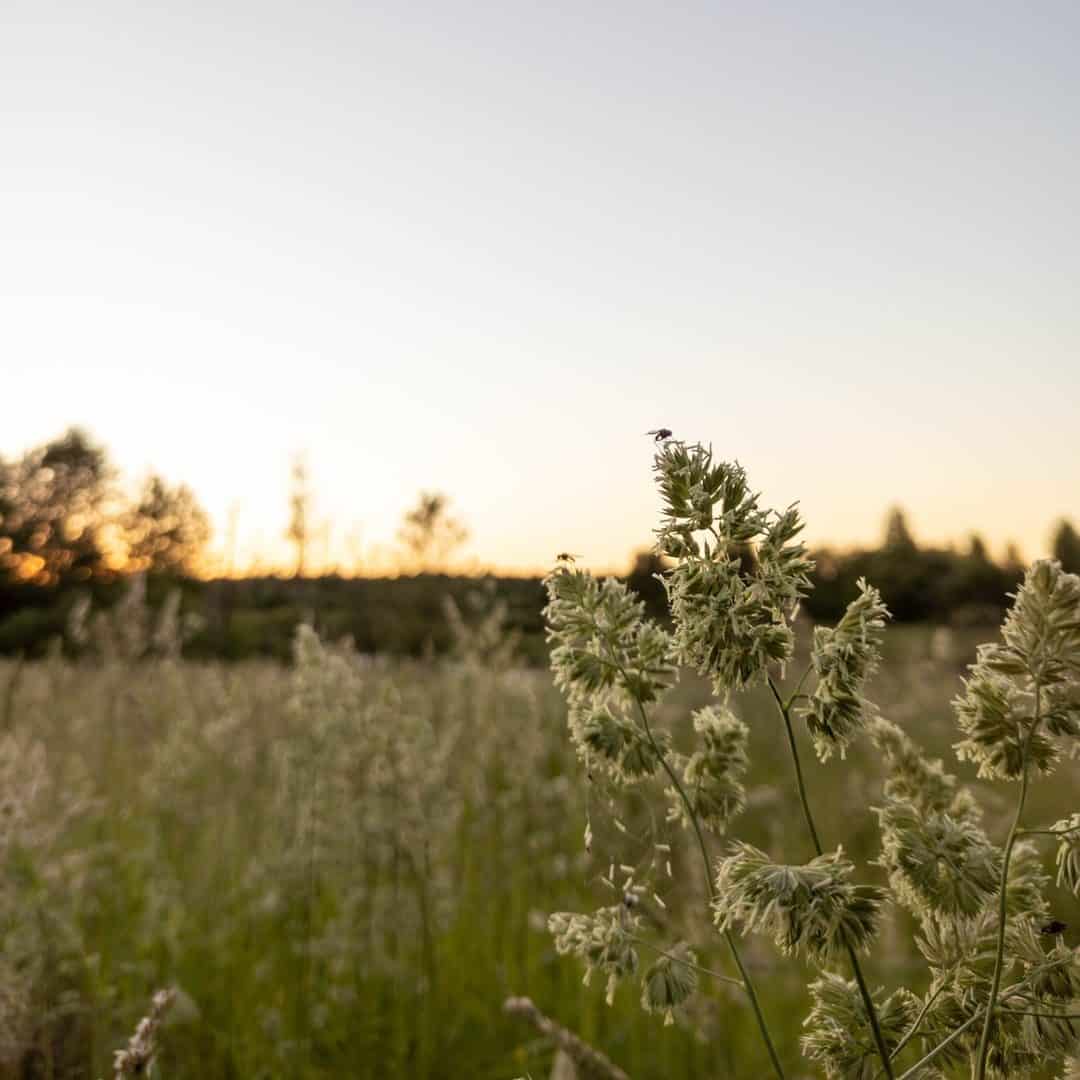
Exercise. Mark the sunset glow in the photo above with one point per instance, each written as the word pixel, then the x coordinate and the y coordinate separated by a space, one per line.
pixel 482 250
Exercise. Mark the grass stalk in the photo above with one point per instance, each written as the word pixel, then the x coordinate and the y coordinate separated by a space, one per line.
pixel 979 1072
pixel 747 982
pixel 868 1001
pixel 11 691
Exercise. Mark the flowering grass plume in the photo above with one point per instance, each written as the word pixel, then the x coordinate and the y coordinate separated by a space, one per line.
pixel 604 940
pixel 839 1035
pixel 1023 694
pixel 713 773
pixel 137 1058
pixel 813 911
pixel 1068 853
pixel 938 862
pixel 1018 708
pixel 739 570
pixel 608 660
pixel 669 981
pixel 911 777
pixel 844 657
pixel 734 574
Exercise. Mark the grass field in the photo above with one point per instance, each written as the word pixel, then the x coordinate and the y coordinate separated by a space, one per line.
pixel 345 867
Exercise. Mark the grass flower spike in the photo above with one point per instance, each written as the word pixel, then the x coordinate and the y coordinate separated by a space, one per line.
pixel 812 911
pixel 713 773
pixel 137 1058
pixel 604 940
pixel 734 574
pixel 739 571
pixel 669 982
pixel 844 658
pixel 839 1035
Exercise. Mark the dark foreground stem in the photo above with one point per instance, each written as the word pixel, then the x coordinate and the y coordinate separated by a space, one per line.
pixel 868 1001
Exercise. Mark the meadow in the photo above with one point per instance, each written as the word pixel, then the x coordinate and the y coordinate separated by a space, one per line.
pixel 344 866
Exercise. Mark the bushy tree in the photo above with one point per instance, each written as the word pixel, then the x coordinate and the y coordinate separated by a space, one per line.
pixel 166 530
pixel 429 533
pixel 54 504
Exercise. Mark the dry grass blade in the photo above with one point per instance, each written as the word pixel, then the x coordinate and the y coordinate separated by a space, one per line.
pixel 592 1063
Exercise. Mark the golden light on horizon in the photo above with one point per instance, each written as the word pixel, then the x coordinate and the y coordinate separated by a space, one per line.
pixel 865 300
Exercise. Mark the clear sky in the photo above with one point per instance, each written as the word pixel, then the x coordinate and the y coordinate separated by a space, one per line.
pixel 482 247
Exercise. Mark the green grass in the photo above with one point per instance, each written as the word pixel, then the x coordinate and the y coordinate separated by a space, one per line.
pixel 324 918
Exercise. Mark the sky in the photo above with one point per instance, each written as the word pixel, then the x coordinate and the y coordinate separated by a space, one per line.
pixel 482 248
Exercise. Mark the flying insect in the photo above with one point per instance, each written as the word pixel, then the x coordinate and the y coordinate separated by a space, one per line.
pixel 660 434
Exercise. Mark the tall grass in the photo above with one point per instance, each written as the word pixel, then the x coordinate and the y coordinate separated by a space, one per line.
pixel 345 867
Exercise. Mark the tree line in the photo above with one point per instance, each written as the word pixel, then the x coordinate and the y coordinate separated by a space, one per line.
pixel 66 529
pixel 919 583
pixel 64 521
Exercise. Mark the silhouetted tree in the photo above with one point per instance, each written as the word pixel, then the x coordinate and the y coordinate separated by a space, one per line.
pixel 897 535
pixel 1014 563
pixel 429 534
pixel 1065 546
pixel 643 579
pixel 975 586
pixel 52 513
pixel 299 531
pixel 166 530
pixel 977 549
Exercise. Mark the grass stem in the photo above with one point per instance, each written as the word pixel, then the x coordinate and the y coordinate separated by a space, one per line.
pixel 979 1072
pixel 868 1001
